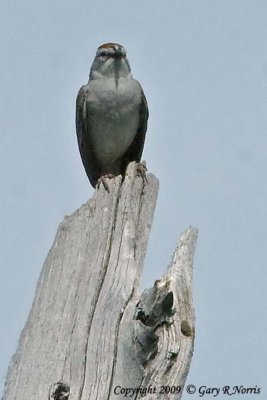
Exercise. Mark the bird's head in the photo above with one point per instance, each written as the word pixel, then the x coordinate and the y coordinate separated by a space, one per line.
pixel 110 61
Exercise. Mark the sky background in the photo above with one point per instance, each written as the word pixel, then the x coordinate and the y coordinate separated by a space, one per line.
pixel 203 67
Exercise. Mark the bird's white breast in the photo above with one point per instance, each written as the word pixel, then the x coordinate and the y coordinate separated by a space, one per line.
pixel 113 116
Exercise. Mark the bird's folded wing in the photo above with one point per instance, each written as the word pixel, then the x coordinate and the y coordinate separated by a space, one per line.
pixel 91 166
pixel 134 153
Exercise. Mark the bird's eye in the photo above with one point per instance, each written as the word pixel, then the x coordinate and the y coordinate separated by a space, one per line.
pixel 103 54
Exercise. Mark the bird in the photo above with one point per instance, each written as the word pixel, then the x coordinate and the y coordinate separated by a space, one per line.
pixel 111 117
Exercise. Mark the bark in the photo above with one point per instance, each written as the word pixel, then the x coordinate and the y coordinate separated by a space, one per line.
pixel 90 335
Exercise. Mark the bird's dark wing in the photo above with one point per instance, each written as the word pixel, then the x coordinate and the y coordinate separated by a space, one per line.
pixel 90 163
pixel 134 153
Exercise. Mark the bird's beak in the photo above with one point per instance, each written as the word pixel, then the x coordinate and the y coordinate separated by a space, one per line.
pixel 117 70
pixel 117 59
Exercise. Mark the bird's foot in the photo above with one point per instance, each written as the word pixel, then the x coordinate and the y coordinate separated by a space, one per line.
pixel 141 170
pixel 103 180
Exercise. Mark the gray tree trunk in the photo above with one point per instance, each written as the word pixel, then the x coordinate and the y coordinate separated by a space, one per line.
pixel 90 335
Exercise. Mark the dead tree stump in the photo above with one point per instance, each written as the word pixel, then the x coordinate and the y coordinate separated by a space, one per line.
pixel 90 335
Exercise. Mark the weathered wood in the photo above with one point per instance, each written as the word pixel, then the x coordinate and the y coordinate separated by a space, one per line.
pixel 89 335
pixel 166 310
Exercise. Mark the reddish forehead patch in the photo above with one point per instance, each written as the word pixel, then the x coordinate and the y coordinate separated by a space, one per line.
pixel 108 45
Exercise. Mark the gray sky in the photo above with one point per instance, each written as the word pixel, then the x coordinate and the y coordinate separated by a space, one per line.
pixel 203 67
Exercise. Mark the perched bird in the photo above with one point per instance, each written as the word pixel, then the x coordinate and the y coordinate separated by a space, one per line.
pixel 111 116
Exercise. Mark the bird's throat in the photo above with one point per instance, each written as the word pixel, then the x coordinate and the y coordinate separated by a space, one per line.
pixel 113 69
